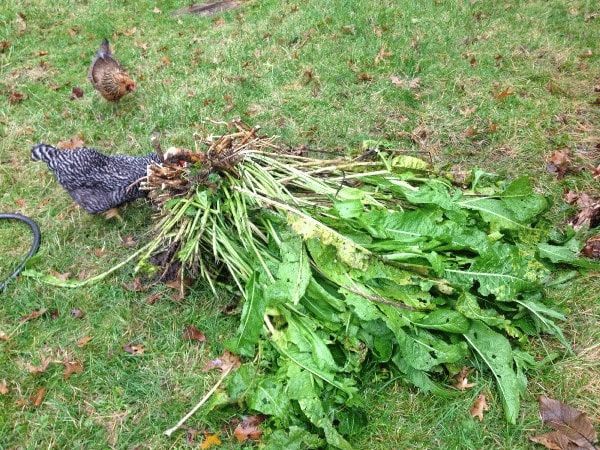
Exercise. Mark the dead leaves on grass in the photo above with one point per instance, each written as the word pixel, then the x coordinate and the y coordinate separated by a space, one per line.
pixel 479 407
pixel 33 315
pixel 592 247
pixel 226 362
pixel 72 367
pixel 461 382
pixel 572 428
pixel 589 209
pixel 559 163
pixel 76 141
pixel 4 387
pixel 248 429
pixel 37 398
pixel 209 441
pixel 191 333
pixel 134 349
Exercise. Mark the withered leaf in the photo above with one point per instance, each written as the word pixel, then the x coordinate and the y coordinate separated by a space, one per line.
pixel 501 95
pixel 226 362
pixel 76 93
pixel 36 370
pixel 364 76
pixel 54 314
pixel 461 382
pixel 42 53
pixel 210 440
pixel 592 247
pixel 83 341
pixel 573 429
pixel 249 429
pixel 165 61
pixel 134 349
pixel 156 10
pixel 16 97
pixel 33 315
pixel 412 83
pixel 3 387
pixel 152 299
pixel 479 406
pixel 135 285
pixel 3 336
pixel 61 276
pixel 21 24
pixel 559 162
pixel 72 367
pixel 128 241
pixel 192 333
pixel 38 397
pixel 70 144
pixel 73 31
pixel 4 45
pixel 130 32
pixel 589 212
pixel 77 313
pixel 382 55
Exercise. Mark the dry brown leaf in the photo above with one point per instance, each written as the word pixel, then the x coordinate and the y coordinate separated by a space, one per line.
pixel 4 45
pixel 99 252
pixel 378 31
pixel 4 387
pixel 248 429
pixel 559 162
pixel 77 313
pixel 70 144
pixel 134 349
pixel 16 97
pixel 364 76
pixel 20 203
pixel 382 55
pixel 130 32
pixel 4 337
pixel 156 10
pixel 191 333
pixel 592 247
pixel 42 53
pixel 72 367
pixel 33 315
pixel 165 61
pixel 587 54
pixel 152 299
pixel 36 370
pixel 479 406
pixel 461 382
pixel 209 441
pixel 573 429
pixel 470 132
pixel 128 241
pixel 38 397
pixel 54 314
pixel 73 31
pixel 83 341
pixel 76 93
pixel 589 212
pixel 61 276
pixel 21 24
pixel 224 363
pixel 504 94
pixel 135 285
pixel 412 83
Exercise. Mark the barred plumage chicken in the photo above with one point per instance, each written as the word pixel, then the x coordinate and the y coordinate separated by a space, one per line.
pixel 108 76
pixel 96 182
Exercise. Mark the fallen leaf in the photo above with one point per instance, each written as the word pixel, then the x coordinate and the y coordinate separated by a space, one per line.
pixel 479 407
pixel 21 24
pixel 156 10
pixel 112 213
pixel 192 333
pixel 248 429
pixel 3 336
pixel 36 370
pixel 573 429
pixel 83 341
pixel 99 252
pixel 504 94
pixel 587 54
pixel 33 315
pixel 378 31
pixel 3 387
pixel 16 97
pixel 130 32
pixel 461 382
pixel 218 21
pixel 382 55
pixel 412 83
pixel 210 440
pixel 165 61
pixel 20 203
pixel 135 285
pixel 76 93
pixel 364 76
pixel 73 31
pixel 470 132
pixel 72 367
pixel 42 53
pixel 589 212
pixel 152 299
pixel 592 247
pixel 70 144
pixel 54 314
pixel 190 435
pixel 226 362
pixel 134 349
pixel 349 29
pixel 128 241
pixel 61 276
pixel 77 313
pixel 4 45
pixel 38 397
pixel 467 111
pixel 559 163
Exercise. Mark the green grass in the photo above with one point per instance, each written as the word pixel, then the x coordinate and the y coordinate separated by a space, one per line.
pixel 255 65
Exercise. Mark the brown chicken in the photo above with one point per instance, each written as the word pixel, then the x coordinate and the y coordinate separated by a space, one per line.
pixel 107 75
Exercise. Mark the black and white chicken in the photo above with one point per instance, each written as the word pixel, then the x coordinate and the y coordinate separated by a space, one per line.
pixel 96 182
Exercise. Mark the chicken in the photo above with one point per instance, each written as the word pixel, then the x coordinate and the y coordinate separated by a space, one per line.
pixel 95 181
pixel 107 75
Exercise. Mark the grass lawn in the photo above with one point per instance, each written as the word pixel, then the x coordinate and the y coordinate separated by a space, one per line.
pixel 499 85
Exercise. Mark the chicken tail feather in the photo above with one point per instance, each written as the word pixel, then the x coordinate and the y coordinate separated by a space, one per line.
pixel 104 50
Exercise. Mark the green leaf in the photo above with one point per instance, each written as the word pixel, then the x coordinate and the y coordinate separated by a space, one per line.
pixel 565 254
pixel 495 351
pixel 445 320
pixel 294 438
pixel 313 409
pixel 543 317
pixel 468 305
pixel 251 321
pixel 269 397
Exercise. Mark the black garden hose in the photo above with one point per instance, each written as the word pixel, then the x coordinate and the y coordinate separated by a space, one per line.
pixel 35 245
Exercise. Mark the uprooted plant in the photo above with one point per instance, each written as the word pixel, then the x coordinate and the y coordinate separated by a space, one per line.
pixel 344 262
